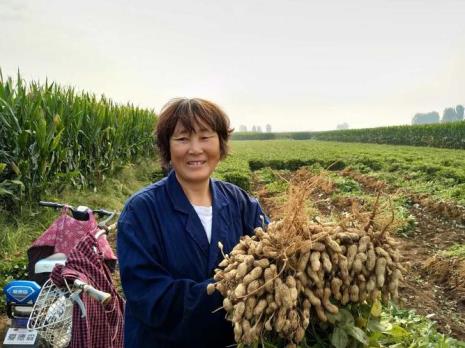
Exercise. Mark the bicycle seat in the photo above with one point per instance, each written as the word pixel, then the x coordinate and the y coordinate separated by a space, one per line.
pixel 46 265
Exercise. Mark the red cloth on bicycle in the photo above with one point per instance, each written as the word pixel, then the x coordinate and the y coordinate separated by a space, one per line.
pixel 65 232
pixel 103 326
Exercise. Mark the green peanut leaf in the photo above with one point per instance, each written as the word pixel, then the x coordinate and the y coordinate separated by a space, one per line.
pixel 339 338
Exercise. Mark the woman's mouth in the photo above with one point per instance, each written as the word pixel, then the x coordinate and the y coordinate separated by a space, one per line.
pixel 196 163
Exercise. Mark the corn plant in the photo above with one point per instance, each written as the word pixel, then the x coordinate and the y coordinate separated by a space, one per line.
pixel 52 134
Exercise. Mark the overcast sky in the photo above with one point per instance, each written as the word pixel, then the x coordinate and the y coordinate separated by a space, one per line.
pixel 296 64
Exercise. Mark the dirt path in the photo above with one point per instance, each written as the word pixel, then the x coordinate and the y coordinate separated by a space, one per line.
pixel 428 292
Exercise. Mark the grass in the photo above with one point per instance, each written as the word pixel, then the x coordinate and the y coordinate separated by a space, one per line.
pixel 17 231
pixel 457 250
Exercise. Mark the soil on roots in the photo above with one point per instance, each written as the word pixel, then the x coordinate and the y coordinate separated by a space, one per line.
pixel 427 288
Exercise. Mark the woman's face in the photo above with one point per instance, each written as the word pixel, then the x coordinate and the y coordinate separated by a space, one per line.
pixel 194 156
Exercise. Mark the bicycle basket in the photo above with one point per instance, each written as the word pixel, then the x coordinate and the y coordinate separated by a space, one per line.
pixel 52 315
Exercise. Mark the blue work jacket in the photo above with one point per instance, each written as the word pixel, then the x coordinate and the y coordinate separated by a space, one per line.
pixel 166 263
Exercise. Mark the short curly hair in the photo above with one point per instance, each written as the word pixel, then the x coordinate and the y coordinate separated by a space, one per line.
pixel 190 112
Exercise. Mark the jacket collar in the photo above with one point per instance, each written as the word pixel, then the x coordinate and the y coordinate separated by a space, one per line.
pixel 182 204
pixel 194 227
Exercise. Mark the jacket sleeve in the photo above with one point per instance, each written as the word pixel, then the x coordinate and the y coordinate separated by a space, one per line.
pixel 180 309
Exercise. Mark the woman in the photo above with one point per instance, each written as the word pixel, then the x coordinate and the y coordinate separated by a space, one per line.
pixel 168 234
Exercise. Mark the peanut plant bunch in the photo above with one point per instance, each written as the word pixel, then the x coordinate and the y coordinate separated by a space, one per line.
pixel 276 281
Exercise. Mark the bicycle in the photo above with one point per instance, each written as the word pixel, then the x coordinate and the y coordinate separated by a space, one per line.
pixel 50 314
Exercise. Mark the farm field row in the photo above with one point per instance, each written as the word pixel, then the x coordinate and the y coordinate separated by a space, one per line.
pixel 438 173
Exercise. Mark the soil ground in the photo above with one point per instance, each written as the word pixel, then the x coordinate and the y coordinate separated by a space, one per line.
pixel 423 289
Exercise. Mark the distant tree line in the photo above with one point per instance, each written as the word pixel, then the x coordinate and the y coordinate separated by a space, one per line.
pixel 446 135
pixel 448 115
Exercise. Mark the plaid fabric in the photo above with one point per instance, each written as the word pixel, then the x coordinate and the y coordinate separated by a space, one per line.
pixel 103 326
pixel 65 232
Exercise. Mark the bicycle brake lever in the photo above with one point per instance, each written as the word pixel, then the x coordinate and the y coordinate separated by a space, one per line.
pixel 77 299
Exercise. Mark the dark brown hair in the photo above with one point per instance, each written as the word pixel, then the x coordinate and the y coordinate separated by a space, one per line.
pixel 190 112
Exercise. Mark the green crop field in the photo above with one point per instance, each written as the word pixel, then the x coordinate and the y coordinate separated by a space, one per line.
pixel 437 172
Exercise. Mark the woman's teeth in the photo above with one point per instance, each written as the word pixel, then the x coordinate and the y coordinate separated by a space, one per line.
pixel 195 163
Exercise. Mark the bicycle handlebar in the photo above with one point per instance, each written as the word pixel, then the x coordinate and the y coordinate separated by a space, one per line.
pixel 81 215
pixel 101 296
pixel 51 204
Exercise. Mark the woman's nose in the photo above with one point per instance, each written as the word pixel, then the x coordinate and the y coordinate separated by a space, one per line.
pixel 195 146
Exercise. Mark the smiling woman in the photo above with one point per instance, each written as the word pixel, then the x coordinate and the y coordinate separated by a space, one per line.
pixel 168 233
pixel 192 137
pixel 194 156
